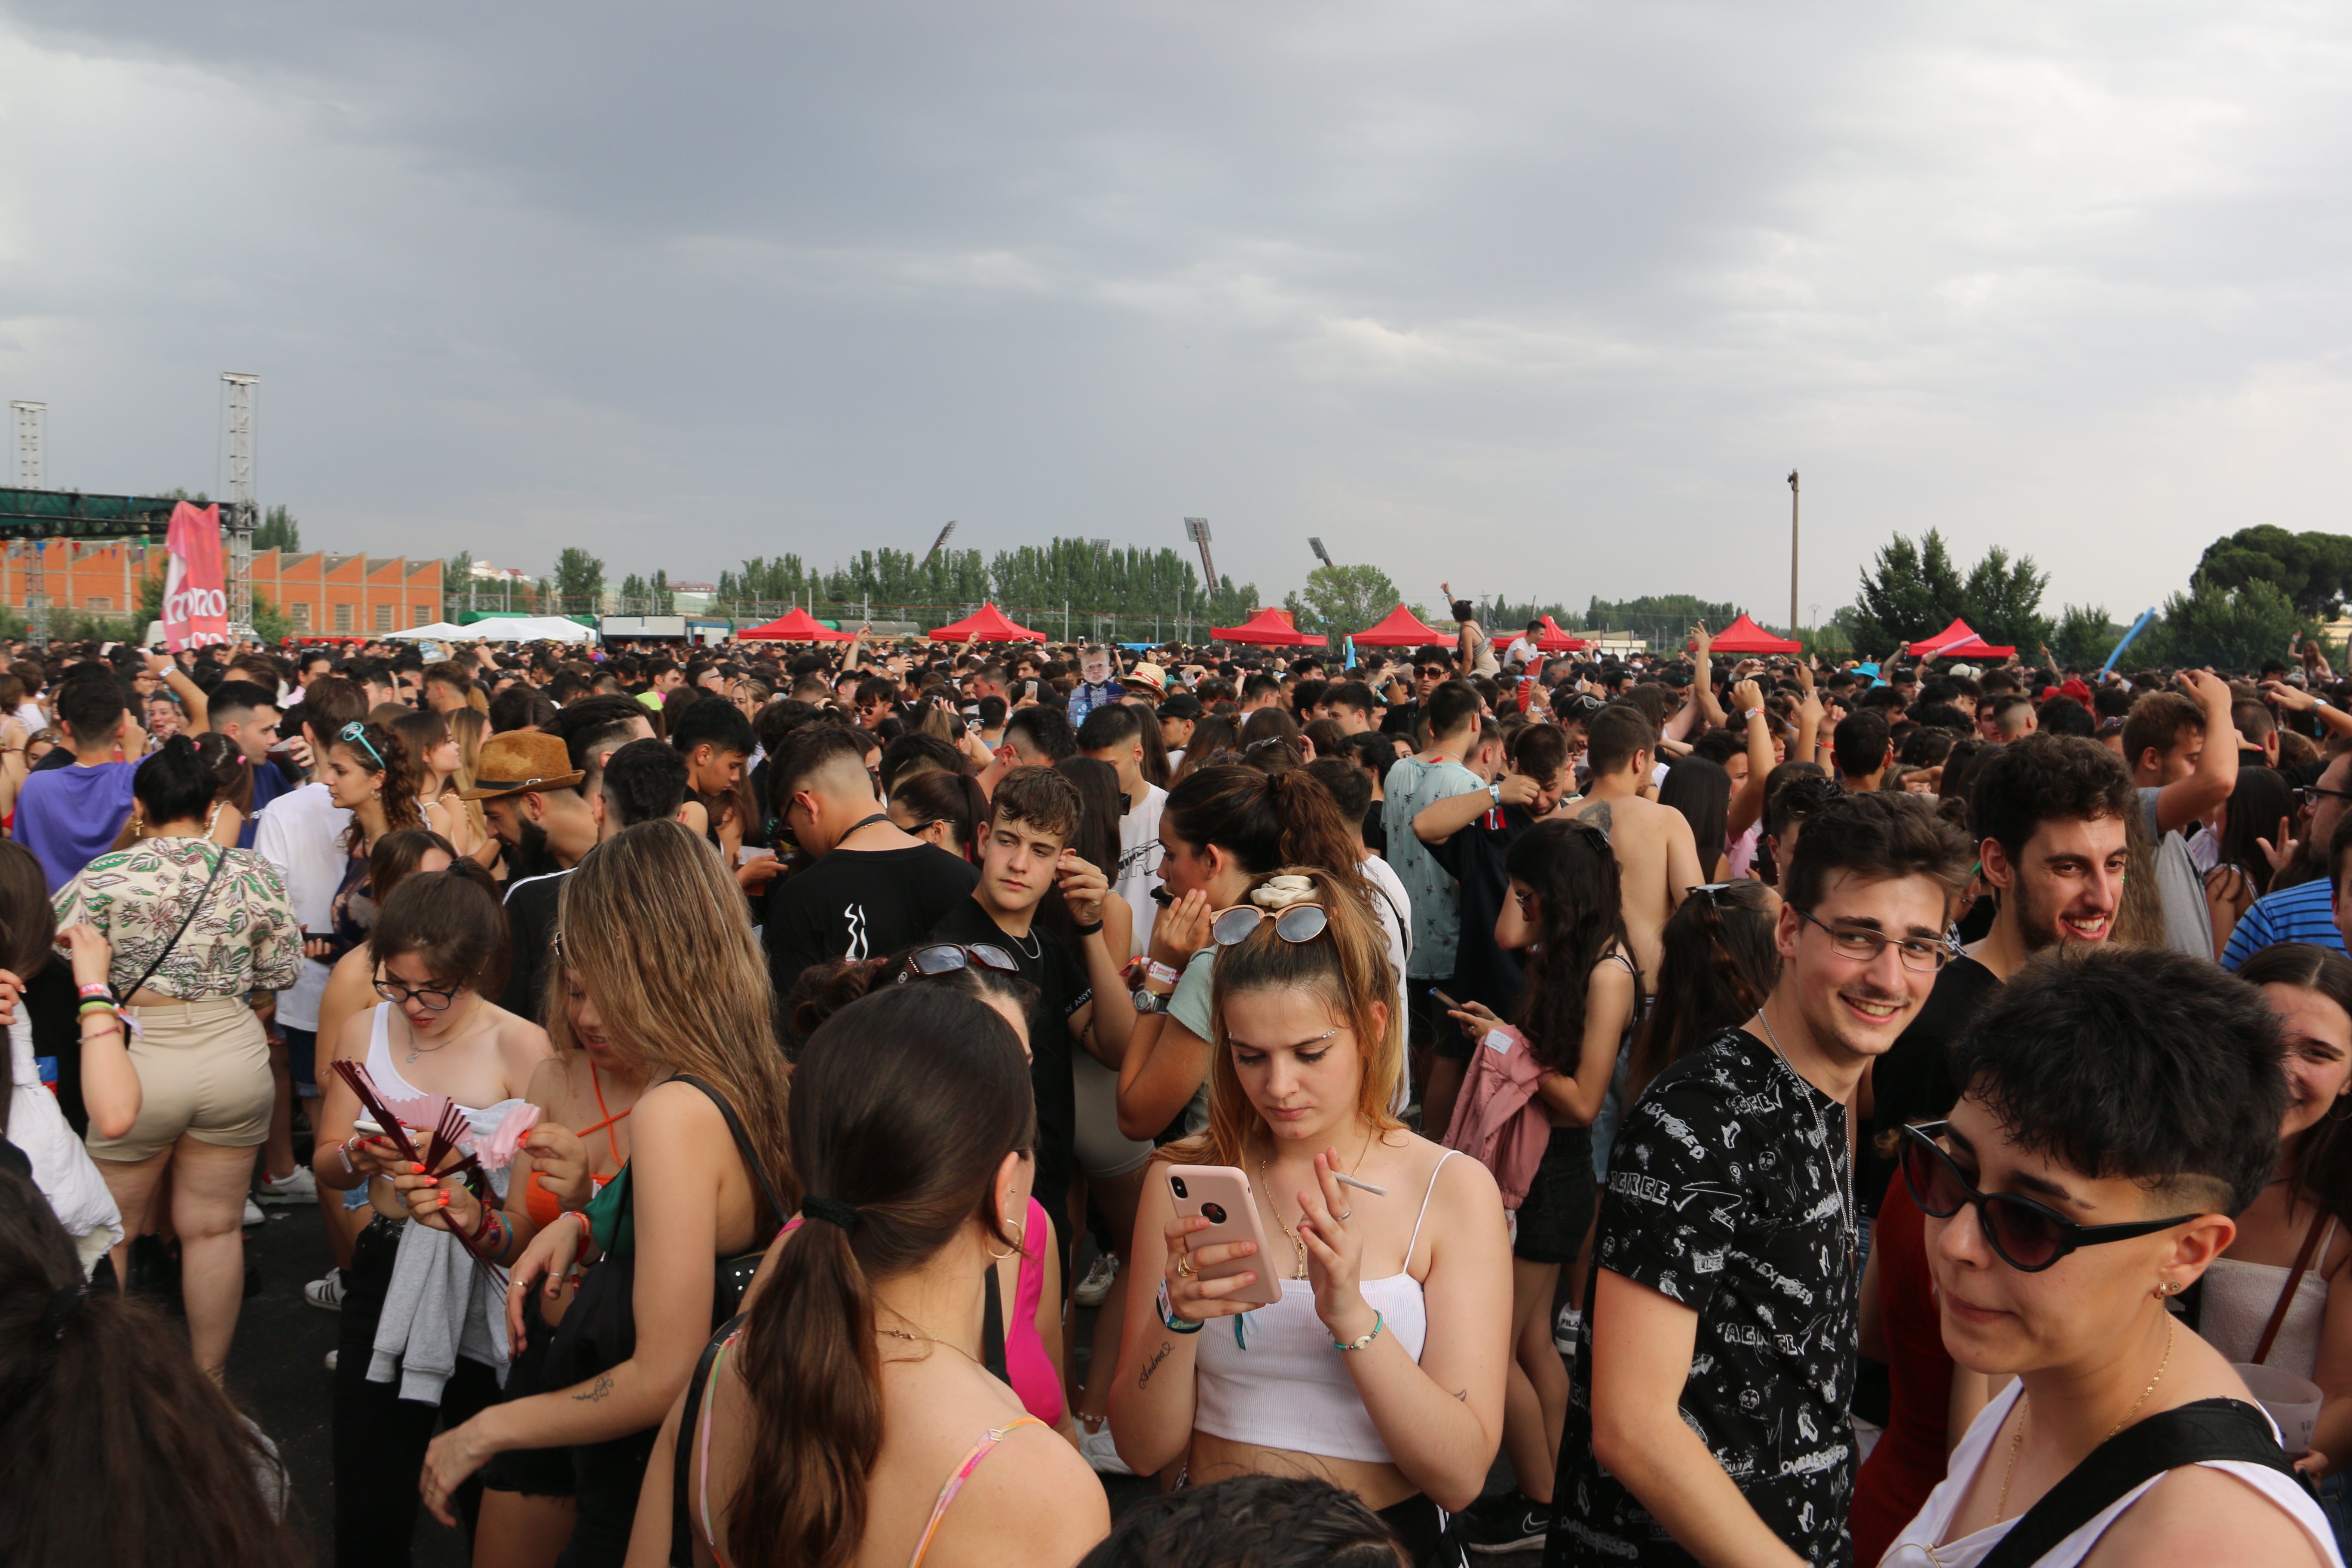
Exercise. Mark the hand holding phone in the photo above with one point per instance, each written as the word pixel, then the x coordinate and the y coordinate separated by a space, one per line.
pixel 1219 1263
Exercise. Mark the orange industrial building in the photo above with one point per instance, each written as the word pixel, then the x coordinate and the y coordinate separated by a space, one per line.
pixel 320 592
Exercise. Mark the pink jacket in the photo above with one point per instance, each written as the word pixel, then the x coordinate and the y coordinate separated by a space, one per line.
pixel 1498 1121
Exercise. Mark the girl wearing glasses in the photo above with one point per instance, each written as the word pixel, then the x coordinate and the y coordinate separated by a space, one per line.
pixel 438 952
pixel 1382 1366
pixel 2121 1107
pixel 194 930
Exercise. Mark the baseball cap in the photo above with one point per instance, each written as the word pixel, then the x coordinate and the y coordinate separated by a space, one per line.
pixel 1183 705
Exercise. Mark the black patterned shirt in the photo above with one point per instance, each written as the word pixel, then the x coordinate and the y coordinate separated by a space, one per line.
pixel 1730 1190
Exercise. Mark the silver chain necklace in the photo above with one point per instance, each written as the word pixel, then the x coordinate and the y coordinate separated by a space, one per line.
pixel 1812 1097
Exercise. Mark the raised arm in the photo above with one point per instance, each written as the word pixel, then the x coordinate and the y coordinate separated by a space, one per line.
pixel 1747 805
pixel 2185 801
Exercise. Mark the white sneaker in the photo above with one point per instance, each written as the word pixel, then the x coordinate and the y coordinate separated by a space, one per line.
pixel 330 1359
pixel 253 1215
pixel 1096 1285
pixel 1095 1443
pixel 326 1294
pixel 301 1187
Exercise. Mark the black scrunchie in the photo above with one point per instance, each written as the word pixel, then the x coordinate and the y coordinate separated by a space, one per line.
pixel 833 1211
pixel 62 1302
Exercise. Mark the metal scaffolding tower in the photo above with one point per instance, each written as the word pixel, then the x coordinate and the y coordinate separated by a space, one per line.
pixel 238 515
pixel 31 474
pixel 1196 529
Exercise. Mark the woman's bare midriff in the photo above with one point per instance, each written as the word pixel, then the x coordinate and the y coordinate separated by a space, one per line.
pixel 1220 1458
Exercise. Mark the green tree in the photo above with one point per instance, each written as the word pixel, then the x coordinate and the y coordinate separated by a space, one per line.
pixel 1657 617
pixel 1909 592
pixel 2001 600
pixel 1342 599
pixel 2313 570
pixel 2083 636
pixel 270 624
pixel 279 531
pixel 579 586
pixel 2228 629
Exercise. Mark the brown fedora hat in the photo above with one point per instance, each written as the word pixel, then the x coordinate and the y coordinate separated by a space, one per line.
pixel 520 760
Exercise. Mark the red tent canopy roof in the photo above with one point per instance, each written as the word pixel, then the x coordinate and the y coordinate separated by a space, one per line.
pixel 1399 628
pixel 1269 628
pixel 1959 639
pixel 798 626
pixel 1554 640
pixel 989 623
pixel 1744 636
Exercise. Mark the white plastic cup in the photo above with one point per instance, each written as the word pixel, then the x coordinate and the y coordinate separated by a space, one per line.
pixel 2293 1402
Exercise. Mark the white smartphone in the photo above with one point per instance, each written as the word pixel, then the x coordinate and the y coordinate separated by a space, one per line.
pixel 1220 1194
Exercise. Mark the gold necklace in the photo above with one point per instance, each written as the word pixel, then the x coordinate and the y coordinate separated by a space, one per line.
pixel 1298 1244
pixel 925 1338
pixel 2025 1414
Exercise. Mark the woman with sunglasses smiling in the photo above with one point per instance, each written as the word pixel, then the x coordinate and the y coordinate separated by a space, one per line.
pixel 2119 1107
pixel 440 952
pixel 1382 1365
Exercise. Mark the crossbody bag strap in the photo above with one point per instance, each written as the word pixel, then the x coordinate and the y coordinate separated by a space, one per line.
pixel 681 1518
pixel 2192 1434
pixel 2293 1282
pixel 220 858
pixel 742 1145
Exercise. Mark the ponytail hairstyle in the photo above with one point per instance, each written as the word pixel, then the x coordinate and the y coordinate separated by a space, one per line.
pixel 378 750
pixel 1267 822
pixel 1579 920
pixel 173 783
pixel 1347 965
pixel 232 773
pixel 904 1106
pixel 1717 963
pixel 99 1399
pixel 954 799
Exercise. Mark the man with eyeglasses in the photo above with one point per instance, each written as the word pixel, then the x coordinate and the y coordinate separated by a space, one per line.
pixel 1709 1421
pixel 2317 911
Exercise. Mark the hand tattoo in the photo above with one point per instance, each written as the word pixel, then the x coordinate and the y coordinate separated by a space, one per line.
pixel 1143 1378
pixel 596 1390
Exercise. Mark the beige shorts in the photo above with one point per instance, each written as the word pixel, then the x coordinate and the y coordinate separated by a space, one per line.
pixel 203 1070
pixel 1103 1150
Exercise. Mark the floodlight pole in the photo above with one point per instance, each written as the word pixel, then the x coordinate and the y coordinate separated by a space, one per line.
pixel 1792 552
pixel 32 470
pixel 240 515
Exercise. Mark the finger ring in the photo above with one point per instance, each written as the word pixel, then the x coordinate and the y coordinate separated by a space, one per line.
pixel 1184 1264
pixel 1344 1218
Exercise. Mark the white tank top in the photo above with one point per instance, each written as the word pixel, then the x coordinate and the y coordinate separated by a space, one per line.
pixel 391 1084
pixel 2239 1299
pixel 1917 1546
pixel 1271 1377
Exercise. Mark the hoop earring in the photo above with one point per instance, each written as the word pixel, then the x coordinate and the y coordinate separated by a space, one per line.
pixel 1020 1239
pixel 2343 1111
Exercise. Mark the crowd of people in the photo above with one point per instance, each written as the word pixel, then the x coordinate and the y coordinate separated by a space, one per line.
pixel 822 1106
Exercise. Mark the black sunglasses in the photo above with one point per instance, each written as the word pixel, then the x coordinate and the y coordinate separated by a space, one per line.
pixel 2029 1236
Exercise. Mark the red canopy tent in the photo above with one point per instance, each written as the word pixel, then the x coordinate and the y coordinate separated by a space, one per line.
pixel 987 624
pixel 797 626
pixel 1554 640
pixel 1744 636
pixel 1400 628
pixel 1959 641
pixel 1268 628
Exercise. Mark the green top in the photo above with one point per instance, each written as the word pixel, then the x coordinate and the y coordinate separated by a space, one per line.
pixel 612 1218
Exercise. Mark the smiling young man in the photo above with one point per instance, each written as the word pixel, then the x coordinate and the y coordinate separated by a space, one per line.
pixel 1081 999
pixel 2050 816
pixel 1709 1421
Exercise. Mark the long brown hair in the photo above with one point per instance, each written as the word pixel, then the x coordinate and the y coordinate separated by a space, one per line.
pixel 1580 920
pixel 2319 1167
pixel 378 750
pixel 1347 966
pixel 1716 964
pixel 101 1402
pixel 656 931
pixel 905 1104
pixel 1268 820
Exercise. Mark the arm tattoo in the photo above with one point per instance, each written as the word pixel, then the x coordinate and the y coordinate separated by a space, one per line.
pixel 1463 1395
pixel 596 1390
pixel 1143 1378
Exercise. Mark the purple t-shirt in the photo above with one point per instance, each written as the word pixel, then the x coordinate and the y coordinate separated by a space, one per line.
pixel 70 816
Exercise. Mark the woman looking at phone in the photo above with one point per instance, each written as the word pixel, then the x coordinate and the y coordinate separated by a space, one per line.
pixel 693 1005
pixel 1381 1367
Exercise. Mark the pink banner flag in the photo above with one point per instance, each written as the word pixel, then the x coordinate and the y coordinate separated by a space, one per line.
pixel 196 597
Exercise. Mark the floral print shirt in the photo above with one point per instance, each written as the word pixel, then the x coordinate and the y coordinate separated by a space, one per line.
pixel 244 937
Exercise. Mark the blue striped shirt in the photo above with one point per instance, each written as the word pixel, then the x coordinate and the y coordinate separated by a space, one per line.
pixel 2300 913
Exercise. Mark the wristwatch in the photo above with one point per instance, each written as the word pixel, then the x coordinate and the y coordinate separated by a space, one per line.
pixel 1150 1001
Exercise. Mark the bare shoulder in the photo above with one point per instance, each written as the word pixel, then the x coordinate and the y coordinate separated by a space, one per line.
pixel 1459 1190
pixel 676 1114
pixel 1034 1500
pixel 551 1085
pixel 2200 1517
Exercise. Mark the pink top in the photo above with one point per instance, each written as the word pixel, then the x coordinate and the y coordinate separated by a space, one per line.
pixel 1031 1370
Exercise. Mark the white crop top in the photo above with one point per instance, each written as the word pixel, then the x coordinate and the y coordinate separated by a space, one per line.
pixel 1920 1544
pixel 2239 1299
pixel 1271 1377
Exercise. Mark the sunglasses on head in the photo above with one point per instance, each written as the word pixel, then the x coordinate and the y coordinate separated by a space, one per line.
pixel 2027 1236
pixel 946 957
pixel 1301 923
pixel 356 733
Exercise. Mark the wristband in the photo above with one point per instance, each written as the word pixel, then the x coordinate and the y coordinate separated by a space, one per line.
pixel 1165 974
pixel 1090 931
pixel 95 1006
pixel 98 989
pixel 344 1152
pixel 587 1231
pixel 1168 1318
pixel 1751 713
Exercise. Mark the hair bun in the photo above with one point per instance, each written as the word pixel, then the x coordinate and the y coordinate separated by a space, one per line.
pixel 1281 893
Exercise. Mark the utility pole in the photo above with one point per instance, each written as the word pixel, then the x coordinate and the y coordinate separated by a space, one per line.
pixel 32 468
pixel 1792 552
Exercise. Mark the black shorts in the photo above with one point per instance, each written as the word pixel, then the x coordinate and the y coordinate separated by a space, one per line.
pixel 1559 1207
pixel 533 1472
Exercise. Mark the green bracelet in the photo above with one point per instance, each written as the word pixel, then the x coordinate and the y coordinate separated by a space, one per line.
pixel 1365 1344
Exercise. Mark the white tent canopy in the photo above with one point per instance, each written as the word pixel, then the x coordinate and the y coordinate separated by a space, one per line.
pixel 503 628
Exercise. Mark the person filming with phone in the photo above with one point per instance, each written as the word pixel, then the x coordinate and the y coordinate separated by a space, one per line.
pixel 1334 1292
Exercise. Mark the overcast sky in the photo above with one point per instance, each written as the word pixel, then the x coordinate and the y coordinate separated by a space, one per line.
pixel 1543 298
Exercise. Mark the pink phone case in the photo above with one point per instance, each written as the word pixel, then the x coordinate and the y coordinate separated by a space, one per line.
pixel 1221 1194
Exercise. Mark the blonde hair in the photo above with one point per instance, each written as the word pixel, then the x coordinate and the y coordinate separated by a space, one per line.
pixel 1348 965
pixel 656 931
pixel 470 728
